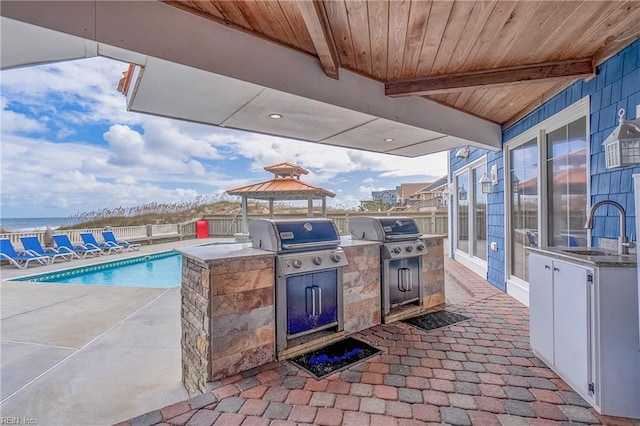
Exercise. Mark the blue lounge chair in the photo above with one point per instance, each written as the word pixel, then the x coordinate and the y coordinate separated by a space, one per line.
pixel 19 259
pixel 110 238
pixel 90 242
pixel 32 245
pixel 78 250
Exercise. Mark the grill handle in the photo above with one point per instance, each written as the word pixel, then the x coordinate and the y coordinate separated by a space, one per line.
pixel 405 276
pixel 402 237
pixel 315 244
pixel 319 300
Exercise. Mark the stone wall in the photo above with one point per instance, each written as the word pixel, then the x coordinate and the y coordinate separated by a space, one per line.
pixel 196 337
pixel 361 282
pixel 243 324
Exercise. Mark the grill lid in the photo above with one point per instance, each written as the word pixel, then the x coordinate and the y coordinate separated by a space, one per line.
pixel 290 235
pixel 383 228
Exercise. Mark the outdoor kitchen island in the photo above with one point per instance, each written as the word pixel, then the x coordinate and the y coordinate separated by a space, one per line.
pixel 228 305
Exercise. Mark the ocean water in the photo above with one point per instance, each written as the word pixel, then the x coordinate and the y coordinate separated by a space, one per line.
pixel 23 224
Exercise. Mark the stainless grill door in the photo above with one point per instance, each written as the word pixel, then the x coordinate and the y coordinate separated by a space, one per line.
pixel 312 301
pixel 404 281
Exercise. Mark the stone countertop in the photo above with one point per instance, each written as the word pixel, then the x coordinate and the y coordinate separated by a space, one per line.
pixel 347 241
pixel 430 236
pixel 610 260
pixel 222 251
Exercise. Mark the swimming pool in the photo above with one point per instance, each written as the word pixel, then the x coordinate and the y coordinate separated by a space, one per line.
pixel 158 270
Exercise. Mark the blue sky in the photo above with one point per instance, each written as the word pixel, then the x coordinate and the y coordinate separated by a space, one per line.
pixel 69 145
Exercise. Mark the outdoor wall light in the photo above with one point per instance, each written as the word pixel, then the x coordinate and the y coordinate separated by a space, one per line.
pixel 389 140
pixel 622 147
pixel 494 174
pixel 463 152
pixel 275 116
pixel 447 191
pixel 485 183
pixel 462 194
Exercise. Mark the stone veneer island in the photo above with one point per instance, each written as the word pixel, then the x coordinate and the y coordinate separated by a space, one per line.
pixel 228 304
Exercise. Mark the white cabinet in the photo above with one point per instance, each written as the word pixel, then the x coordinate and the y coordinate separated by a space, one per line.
pixel 584 326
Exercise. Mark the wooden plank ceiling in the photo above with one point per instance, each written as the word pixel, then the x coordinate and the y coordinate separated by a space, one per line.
pixel 451 48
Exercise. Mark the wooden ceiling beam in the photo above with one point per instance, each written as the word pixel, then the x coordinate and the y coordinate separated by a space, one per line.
pixel 499 76
pixel 315 18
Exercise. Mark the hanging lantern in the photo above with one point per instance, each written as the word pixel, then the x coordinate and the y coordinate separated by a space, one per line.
pixel 485 183
pixel 462 194
pixel 622 147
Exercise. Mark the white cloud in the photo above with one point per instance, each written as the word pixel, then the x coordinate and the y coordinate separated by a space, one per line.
pixel 14 122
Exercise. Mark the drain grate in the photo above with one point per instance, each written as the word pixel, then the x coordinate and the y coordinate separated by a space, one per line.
pixel 436 320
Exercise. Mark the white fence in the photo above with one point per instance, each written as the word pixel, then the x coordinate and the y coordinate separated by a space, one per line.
pixel 218 226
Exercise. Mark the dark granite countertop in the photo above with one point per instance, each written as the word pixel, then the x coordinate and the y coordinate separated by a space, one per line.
pixel 580 255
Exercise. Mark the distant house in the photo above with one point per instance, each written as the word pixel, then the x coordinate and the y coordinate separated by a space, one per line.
pixel 407 192
pixel 386 196
pixel 431 195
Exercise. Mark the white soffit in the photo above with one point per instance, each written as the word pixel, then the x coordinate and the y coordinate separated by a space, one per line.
pixel 371 136
pixel 29 44
pixel 176 91
pixel 444 143
pixel 302 118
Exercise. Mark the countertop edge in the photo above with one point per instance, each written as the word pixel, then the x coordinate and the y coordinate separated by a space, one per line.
pixel 592 261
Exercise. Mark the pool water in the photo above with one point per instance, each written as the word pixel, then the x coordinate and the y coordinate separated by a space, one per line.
pixel 159 270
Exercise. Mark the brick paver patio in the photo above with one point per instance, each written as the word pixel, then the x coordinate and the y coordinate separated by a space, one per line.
pixel 477 372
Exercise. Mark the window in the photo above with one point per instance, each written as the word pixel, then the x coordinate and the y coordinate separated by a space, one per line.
pixel 471 216
pixel 546 186
pixel 567 185
pixel 523 173
pixel 462 185
pixel 479 243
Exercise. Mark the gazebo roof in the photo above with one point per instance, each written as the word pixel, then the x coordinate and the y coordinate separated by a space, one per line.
pixel 282 168
pixel 281 188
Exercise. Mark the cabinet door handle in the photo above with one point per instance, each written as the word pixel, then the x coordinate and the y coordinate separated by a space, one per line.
pixel 556 269
pixel 547 267
pixel 319 300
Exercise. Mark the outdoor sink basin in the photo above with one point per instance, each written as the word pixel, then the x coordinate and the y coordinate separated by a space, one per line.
pixel 589 252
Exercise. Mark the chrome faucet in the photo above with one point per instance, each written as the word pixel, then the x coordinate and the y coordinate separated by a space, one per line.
pixel 623 245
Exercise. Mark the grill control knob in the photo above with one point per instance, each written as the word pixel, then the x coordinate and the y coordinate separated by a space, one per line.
pixel 317 261
pixel 397 250
pixel 409 249
pixel 420 247
pixel 336 257
pixel 297 263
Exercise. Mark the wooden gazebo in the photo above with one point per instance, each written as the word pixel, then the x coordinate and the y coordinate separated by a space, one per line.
pixel 285 185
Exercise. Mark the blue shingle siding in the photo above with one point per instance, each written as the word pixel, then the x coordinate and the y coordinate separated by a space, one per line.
pixel 616 85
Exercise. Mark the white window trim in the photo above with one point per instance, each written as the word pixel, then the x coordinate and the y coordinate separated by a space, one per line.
pixel 517 287
pixel 476 264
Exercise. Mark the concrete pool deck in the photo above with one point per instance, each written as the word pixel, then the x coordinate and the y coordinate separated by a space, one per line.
pixel 88 355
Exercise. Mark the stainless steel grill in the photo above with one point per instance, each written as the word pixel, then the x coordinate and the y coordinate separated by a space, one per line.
pixel 400 257
pixel 308 274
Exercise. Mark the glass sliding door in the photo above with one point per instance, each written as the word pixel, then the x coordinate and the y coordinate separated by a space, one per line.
pixel 462 197
pixel 523 161
pixel 567 185
pixel 479 243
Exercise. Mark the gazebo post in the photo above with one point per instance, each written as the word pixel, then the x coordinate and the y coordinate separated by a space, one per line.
pixel 245 215
pixel 310 206
pixel 270 208
pixel 324 206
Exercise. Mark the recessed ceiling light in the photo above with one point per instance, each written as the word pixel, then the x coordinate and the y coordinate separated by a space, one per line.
pixel 275 116
pixel 389 140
